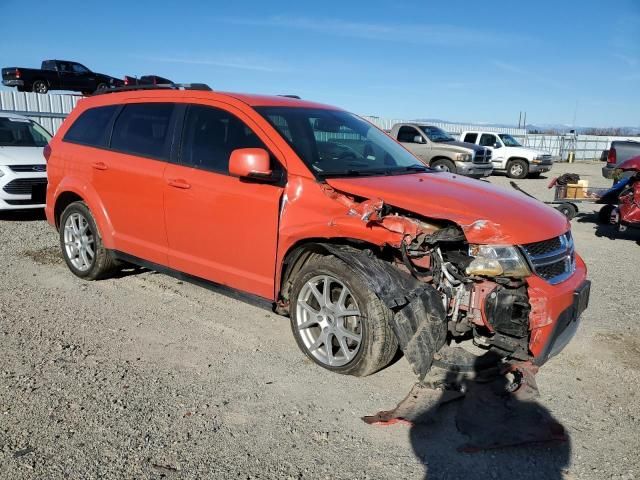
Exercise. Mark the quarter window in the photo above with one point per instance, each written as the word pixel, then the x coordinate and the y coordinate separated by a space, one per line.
pixel 210 135
pixel 144 129
pixel 90 128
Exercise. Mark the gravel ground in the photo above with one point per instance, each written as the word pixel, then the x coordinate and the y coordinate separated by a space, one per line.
pixel 145 376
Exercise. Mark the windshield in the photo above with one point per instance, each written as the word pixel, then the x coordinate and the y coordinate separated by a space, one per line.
pixel 509 141
pixel 436 134
pixel 20 132
pixel 339 144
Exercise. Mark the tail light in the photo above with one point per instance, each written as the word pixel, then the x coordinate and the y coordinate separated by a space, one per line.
pixel 46 151
pixel 126 81
pixel 612 156
pixel 17 73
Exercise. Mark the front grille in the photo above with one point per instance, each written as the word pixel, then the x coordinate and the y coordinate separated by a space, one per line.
pixel 553 259
pixel 28 168
pixel 546 159
pixel 23 186
pixel 482 157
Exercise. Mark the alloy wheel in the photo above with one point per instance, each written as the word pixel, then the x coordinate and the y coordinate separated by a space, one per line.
pixel 328 321
pixel 79 242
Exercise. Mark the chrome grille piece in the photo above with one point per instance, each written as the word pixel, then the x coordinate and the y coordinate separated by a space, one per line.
pixel 553 259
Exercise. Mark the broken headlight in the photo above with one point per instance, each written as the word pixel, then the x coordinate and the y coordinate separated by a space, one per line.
pixel 497 261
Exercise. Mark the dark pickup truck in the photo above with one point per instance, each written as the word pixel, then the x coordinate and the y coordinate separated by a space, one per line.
pixel 146 80
pixel 58 75
pixel 619 151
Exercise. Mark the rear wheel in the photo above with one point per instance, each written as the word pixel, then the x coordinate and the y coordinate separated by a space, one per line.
pixel 517 169
pixel 101 87
pixel 444 165
pixel 338 322
pixel 81 244
pixel 40 86
pixel 569 210
pixel 604 215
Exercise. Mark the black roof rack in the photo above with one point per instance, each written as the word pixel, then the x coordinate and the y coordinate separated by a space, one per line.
pixel 161 86
pixel 290 96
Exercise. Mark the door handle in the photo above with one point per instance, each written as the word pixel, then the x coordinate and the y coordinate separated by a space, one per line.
pixel 99 165
pixel 178 183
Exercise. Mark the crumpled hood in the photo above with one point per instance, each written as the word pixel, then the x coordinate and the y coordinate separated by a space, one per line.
pixel 21 156
pixel 487 213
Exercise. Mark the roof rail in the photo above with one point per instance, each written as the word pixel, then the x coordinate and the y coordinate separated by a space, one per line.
pixel 290 96
pixel 161 86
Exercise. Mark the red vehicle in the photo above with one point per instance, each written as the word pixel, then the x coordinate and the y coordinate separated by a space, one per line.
pixel 316 212
pixel 627 214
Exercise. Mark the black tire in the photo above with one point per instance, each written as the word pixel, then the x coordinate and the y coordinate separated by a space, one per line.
pixel 569 210
pixel 444 165
pixel 101 87
pixel 517 169
pixel 103 263
pixel 40 86
pixel 604 215
pixel 378 345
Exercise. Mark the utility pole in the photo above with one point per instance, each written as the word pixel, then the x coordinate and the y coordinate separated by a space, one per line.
pixel 519 118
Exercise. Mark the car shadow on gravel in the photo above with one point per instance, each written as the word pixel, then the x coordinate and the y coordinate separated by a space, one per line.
pixel 490 433
pixel 611 232
pixel 32 215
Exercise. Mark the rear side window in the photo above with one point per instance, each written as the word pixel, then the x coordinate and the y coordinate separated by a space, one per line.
pixel 90 128
pixel 210 135
pixel 471 137
pixel 144 129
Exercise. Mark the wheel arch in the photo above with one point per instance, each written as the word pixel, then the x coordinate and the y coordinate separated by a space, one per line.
pixel 441 157
pixel 69 192
pixel 512 159
pixel 301 252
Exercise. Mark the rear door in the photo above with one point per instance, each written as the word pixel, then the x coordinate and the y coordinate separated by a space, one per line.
pixel 219 227
pixel 129 178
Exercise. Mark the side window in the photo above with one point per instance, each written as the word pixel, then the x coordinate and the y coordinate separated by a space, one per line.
pixel 471 137
pixel 210 135
pixel 77 68
pixel 90 128
pixel 144 129
pixel 487 140
pixel 407 134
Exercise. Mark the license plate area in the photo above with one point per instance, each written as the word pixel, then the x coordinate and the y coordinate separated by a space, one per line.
pixel 39 193
pixel 581 299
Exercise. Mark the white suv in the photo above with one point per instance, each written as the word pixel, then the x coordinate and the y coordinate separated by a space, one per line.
pixel 23 169
pixel 509 155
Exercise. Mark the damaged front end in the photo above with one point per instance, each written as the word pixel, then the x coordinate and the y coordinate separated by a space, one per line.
pixel 453 302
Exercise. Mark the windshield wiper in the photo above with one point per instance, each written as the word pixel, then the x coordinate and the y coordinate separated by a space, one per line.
pixel 417 168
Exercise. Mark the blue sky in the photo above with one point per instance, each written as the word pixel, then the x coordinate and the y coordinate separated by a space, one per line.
pixel 464 61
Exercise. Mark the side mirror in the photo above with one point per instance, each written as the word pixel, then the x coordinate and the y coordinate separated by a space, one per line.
pixel 250 163
pixel 497 145
pixel 418 139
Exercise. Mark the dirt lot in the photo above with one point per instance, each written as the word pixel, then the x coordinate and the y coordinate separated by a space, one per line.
pixel 145 376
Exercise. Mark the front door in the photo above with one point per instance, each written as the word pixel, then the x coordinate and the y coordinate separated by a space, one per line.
pixel 408 135
pixel 490 141
pixel 219 227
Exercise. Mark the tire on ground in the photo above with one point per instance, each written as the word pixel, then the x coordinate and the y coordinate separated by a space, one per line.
pixel 444 164
pixel 103 263
pixel 378 345
pixel 517 169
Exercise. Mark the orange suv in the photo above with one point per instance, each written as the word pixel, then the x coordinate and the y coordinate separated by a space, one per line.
pixel 322 216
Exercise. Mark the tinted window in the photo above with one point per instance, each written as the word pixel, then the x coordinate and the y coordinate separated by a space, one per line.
pixel 19 132
pixel 471 137
pixel 143 129
pixel 210 135
pixel 487 140
pixel 90 128
pixel 407 134
pixel 77 68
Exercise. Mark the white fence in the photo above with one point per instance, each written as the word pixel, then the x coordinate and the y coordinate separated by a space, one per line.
pixel 50 110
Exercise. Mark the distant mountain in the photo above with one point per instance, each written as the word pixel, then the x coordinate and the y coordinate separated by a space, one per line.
pixel 550 127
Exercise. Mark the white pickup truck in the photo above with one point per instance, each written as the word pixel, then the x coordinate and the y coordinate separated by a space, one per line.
pixel 509 155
